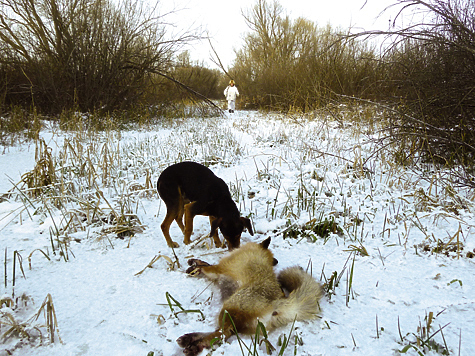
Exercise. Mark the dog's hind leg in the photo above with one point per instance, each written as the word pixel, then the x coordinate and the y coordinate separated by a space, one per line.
pixel 179 216
pixel 166 228
pixel 170 194
pixel 189 216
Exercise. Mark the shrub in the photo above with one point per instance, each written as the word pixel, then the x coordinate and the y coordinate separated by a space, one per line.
pixel 287 63
pixel 83 54
pixel 431 73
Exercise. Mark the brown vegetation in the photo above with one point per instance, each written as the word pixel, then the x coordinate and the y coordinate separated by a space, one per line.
pixel 67 56
pixel 432 71
pixel 82 54
pixel 425 73
pixel 289 63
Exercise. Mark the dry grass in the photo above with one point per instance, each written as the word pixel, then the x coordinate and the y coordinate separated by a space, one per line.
pixel 14 326
pixel 95 182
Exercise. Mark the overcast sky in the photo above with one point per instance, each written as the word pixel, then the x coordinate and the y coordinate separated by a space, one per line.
pixel 224 21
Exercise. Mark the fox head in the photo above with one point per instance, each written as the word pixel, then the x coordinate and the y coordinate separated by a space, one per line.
pixel 265 245
pixel 232 230
pixel 261 249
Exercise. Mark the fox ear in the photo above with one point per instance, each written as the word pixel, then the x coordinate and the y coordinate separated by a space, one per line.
pixel 265 244
pixel 247 224
pixel 214 226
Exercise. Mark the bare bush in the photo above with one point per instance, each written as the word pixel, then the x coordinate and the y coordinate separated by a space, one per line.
pixel 289 63
pixel 197 76
pixel 84 54
pixel 430 75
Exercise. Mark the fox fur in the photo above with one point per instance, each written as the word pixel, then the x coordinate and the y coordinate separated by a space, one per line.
pixel 251 291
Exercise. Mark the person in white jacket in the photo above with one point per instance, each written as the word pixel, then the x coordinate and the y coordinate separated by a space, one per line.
pixel 231 93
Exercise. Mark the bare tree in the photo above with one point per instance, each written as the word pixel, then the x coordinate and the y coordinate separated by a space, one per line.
pixel 87 54
pixel 288 62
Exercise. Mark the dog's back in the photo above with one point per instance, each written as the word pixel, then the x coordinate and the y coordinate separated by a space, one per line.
pixel 196 182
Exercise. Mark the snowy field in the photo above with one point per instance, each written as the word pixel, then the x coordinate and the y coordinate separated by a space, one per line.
pixel 395 264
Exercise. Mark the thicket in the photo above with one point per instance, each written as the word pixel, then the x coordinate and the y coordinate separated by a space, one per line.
pixel 85 55
pixel 425 72
pixel 195 76
pixel 430 69
pixel 60 57
pixel 287 63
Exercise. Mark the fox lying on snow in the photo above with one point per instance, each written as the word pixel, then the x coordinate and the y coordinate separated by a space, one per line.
pixel 251 291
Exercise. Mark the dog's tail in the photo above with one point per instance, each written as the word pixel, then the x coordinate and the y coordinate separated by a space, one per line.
pixel 302 302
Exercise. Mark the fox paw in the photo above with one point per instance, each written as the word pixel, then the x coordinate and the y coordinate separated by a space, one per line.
pixel 192 343
pixel 195 266
pixel 189 339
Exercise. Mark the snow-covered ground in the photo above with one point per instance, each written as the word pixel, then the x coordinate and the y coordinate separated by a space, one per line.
pixel 283 172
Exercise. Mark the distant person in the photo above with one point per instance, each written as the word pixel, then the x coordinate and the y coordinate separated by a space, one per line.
pixel 231 93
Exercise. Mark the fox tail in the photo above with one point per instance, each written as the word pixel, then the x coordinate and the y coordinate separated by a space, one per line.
pixel 302 302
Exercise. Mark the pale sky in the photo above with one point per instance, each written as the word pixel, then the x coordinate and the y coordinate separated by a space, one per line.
pixel 224 21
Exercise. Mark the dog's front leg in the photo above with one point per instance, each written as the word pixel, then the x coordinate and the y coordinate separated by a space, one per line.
pixel 214 222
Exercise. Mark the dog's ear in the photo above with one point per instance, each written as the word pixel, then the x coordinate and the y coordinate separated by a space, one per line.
pixel 247 224
pixel 214 226
pixel 265 244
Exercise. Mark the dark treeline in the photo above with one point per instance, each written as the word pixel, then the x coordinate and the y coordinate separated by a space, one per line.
pixel 193 75
pixel 288 63
pixel 430 71
pixel 294 63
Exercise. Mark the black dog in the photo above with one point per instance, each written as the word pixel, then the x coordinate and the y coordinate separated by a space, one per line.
pixel 189 188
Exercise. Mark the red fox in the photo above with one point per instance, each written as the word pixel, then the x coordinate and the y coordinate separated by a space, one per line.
pixel 251 291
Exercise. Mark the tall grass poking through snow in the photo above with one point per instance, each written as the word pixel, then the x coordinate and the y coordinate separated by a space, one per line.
pixel 302 176
pixel 96 180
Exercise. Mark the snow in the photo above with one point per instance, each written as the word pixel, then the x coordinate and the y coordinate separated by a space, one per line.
pixel 282 172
